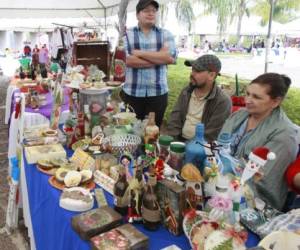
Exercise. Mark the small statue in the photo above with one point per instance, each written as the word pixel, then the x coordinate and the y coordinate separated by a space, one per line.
pixel 126 160
pixel 257 159
pixel 136 186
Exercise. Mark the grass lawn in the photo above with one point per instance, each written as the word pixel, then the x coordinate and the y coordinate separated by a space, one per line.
pixel 178 78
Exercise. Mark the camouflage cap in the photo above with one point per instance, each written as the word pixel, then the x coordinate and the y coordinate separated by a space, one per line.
pixel 205 63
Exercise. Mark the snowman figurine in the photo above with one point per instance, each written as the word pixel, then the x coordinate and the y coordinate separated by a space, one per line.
pixel 257 159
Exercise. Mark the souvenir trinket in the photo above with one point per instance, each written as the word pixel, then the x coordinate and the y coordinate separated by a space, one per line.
pixel 172 200
pixel 76 199
pixel 151 212
pixel 122 237
pixel 100 197
pixel 121 196
pixel 193 184
pixel 95 221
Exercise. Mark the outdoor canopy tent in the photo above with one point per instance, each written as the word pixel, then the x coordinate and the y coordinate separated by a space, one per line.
pixel 61 8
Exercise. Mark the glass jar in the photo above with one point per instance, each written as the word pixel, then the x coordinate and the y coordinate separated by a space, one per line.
pixel 164 146
pixel 176 159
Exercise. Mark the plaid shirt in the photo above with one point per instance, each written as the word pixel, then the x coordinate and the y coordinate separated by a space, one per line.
pixel 142 82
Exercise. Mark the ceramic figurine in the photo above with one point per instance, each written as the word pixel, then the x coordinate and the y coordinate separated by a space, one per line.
pixel 151 130
pixel 126 160
pixel 135 193
pixel 257 159
pixel 191 174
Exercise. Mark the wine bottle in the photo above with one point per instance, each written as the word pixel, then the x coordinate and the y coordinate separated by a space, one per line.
pixel 150 209
pixel 121 201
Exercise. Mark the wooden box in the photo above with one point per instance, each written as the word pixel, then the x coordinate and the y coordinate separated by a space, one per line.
pixel 172 200
pixel 123 237
pixel 95 221
pixel 93 52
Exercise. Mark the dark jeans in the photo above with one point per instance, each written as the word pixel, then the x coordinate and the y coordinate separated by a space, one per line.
pixel 143 105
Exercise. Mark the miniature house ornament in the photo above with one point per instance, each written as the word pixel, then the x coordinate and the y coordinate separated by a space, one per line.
pixel 257 159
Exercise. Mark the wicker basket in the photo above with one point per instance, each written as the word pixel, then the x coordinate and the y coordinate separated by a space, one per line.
pixel 121 143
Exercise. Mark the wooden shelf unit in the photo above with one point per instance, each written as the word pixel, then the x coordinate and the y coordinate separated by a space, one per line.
pixel 93 52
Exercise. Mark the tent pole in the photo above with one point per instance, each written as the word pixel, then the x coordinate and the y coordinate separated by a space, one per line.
pixel 269 35
pixel 105 21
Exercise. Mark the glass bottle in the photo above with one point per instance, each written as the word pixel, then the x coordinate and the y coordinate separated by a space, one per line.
pixel 151 130
pixel 87 118
pixel 121 202
pixel 227 163
pixel 22 74
pixel 119 64
pixel 194 151
pixel 150 209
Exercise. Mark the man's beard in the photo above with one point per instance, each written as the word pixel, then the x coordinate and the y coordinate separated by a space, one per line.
pixel 196 85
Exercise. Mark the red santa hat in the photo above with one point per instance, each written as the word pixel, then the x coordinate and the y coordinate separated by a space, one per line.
pixel 260 155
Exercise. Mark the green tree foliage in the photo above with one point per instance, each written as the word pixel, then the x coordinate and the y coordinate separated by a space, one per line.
pixel 179 75
pixel 284 10
pixel 185 13
pixel 223 9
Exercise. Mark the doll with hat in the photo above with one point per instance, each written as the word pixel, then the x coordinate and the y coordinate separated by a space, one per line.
pixel 257 159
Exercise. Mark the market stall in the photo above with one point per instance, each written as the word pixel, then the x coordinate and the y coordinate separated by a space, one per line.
pixel 51 224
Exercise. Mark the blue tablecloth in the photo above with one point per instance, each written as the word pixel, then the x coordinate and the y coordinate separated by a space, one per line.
pixel 52 224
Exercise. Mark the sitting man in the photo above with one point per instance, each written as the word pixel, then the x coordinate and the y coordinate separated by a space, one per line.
pixel 202 101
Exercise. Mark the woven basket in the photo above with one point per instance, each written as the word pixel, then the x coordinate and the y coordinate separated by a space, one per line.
pixel 121 143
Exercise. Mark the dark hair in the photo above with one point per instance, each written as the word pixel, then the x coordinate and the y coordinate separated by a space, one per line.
pixel 278 84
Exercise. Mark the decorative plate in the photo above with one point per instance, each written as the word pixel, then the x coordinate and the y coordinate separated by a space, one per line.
pixel 55 183
pixel 222 240
pixel 83 144
pixel 113 83
pixel 50 132
pixel 280 240
pixel 58 162
pixel 200 232
pixel 50 171
pixel 192 218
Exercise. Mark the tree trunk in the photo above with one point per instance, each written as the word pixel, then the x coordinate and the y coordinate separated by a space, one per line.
pixel 122 15
pixel 163 14
pixel 241 11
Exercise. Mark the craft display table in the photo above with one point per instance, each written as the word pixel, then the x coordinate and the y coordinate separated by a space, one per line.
pixel 51 224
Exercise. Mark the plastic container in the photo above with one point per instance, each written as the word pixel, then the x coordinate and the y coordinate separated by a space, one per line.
pixel 164 146
pixel 177 152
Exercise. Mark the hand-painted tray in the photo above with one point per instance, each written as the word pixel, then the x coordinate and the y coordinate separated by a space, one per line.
pixel 192 218
pixel 55 183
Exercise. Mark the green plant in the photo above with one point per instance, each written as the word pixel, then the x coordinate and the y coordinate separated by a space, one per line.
pixel 179 75
pixel 291 105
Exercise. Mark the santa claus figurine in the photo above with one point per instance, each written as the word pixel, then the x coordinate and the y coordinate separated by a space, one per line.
pixel 257 159
pixel 293 175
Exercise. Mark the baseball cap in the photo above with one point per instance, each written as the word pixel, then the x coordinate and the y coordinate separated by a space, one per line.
pixel 142 4
pixel 206 62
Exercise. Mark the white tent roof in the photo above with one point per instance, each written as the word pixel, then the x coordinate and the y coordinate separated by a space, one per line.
pixel 60 8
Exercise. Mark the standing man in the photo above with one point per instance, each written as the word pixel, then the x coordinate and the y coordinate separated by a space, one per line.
pixel 202 101
pixel 149 49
